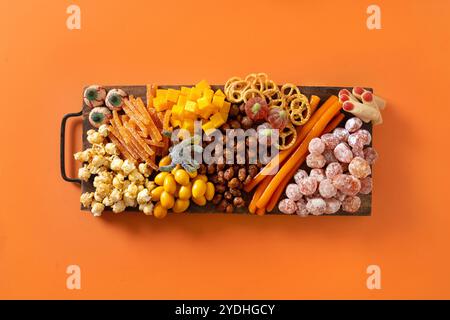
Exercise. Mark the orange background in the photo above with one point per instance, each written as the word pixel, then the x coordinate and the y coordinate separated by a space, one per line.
pixel 44 67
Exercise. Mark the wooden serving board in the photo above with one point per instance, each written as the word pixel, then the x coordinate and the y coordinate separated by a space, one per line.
pixel 141 91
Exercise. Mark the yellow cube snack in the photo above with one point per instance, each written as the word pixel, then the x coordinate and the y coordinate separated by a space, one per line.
pixel 203 103
pixel 185 91
pixel 217 120
pixel 188 125
pixel 172 95
pixel 195 94
pixel 219 93
pixel 175 123
pixel 218 101
pixel 208 126
pixel 225 107
pixel 177 112
pixel 208 93
pixel 160 103
pixel 182 100
pixel 190 106
pixel 202 85
pixel 161 92
pixel 189 115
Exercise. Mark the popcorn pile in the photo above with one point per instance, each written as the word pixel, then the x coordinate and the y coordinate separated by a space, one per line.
pixel 118 183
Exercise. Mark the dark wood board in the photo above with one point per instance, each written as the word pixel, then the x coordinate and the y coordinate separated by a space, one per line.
pixel 322 92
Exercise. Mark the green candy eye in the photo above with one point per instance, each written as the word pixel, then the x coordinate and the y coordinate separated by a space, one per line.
pixel 115 100
pixel 97 117
pixel 91 94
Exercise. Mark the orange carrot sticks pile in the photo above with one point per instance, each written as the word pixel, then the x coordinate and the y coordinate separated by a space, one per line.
pixel 295 160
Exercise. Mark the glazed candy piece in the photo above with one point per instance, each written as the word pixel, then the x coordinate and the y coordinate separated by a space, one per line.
pixel 302 211
pixel 366 185
pixel 359 168
pixel 315 160
pixel 293 192
pixel 301 174
pixel 114 99
pixel 287 206
pixel 347 184
pixel 343 153
pixel 351 204
pixel 94 96
pixel 318 174
pixel 353 124
pixel 99 116
pixel 332 205
pixel 316 206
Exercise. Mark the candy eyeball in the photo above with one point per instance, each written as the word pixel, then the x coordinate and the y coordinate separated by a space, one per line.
pixel 94 96
pixel 99 116
pixel 114 99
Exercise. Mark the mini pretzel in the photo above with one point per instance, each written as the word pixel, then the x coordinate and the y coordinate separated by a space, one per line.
pixel 299 110
pixel 236 91
pixel 289 89
pixel 287 137
pixel 230 82
pixel 252 93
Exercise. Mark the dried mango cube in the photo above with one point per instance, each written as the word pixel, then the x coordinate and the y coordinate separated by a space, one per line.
pixel 218 101
pixel 208 126
pixel 224 116
pixel 219 93
pixel 190 106
pixel 175 123
pixel 217 120
pixel 195 94
pixel 172 95
pixel 182 100
pixel 208 93
pixel 185 91
pixel 161 92
pixel 203 102
pixel 188 125
pixel 225 107
pixel 160 103
pixel 189 115
pixel 177 112
pixel 202 85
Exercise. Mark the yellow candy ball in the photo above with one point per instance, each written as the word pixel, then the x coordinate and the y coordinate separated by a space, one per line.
pixel 192 174
pixel 185 192
pixel 159 179
pixel 167 200
pixel 165 161
pixel 159 211
pixel 198 188
pixel 201 201
pixel 156 193
pixel 169 184
pixel 180 205
pixel 182 177
pixel 209 194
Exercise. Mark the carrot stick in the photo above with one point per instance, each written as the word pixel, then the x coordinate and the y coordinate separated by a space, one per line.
pixel 261 211
pixel 314 103
pixel 295 160
pixel 334 123
pixel 258 192
pixel 301 134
